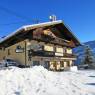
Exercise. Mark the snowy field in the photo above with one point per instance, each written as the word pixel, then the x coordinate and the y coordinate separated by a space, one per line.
pixel 39 81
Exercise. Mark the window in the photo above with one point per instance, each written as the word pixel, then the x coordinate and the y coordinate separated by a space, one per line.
pixel 66 64
pixel 59 49
pixel 53 63
pixel 9 52
pixel 2 49
pixel 46 64
pixel 37 47
pixel 62 63
pixel 30 53
pixel 69 50
pixel 64 49
pixel 18 47
pixel 36 63
pixel 48 48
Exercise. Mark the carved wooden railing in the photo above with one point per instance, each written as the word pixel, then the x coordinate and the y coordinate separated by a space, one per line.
pixel 56 40
pixel 69 55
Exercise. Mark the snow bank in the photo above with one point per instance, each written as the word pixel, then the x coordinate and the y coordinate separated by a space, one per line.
pixel 39 81
pixel 74 68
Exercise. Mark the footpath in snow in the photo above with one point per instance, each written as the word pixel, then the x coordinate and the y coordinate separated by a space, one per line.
pixel 39 81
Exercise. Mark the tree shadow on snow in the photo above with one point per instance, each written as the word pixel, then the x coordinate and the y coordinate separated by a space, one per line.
pixel 93 84
pixel 92 76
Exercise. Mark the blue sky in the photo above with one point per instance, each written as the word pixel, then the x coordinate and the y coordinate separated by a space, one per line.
pixel 79 15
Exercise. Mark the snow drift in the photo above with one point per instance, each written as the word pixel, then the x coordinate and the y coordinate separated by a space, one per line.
pixel 39 81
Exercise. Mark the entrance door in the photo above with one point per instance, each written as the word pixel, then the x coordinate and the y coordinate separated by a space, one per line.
pixel 66 64
pixel 52 65
pixel 58 65
pixel 47 64
pixel 55 65
pixel 62 65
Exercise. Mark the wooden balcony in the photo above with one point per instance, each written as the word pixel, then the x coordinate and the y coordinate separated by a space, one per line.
pixel 70 55
pixel 60 41
pixel 57 41
pixel 42 53
pixel 50 54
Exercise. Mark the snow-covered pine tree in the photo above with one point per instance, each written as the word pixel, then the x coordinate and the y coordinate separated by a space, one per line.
pixel 88 57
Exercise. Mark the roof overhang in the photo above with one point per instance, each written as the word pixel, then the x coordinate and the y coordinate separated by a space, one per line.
pixel 34 26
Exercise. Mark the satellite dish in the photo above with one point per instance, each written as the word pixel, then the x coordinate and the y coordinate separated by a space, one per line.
pixel 52 18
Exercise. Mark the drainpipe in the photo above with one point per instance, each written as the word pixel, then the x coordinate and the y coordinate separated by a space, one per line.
pixel 25 54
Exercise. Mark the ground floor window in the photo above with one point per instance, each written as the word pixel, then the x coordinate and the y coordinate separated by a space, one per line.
pixel 68 63
pixel 47 64
pixel 53 65
pixel 62 63
pixel 36 63
pixel 29 55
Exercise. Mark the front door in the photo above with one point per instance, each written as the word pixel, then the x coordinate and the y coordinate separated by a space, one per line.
pixel 55 65
pixel 47 64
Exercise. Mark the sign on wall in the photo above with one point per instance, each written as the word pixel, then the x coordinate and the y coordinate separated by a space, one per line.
pixel 19 49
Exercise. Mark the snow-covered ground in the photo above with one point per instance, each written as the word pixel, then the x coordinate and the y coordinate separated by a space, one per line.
pixel 39 81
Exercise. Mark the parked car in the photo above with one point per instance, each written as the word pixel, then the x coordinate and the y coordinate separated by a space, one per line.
pixel 83 66
pixel 2 65
pixel 8 62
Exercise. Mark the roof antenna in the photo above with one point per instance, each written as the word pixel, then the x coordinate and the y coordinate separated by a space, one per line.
pixel 52 18
pixel 35 21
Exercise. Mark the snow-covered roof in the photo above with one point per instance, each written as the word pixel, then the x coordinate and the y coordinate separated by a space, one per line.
pixel 29 27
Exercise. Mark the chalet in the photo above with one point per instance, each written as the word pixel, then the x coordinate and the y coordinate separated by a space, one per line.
pixel 48 44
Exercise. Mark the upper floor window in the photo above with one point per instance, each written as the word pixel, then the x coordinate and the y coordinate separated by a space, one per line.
pixel 2 49
pixel 35 47
pixel 59 49
pixel 69 50
pixel 9 52
pixel 48 48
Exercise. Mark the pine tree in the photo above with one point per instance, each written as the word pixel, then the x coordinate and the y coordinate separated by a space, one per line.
pixel 88 56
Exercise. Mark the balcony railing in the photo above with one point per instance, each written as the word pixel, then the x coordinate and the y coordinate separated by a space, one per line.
pixel 60 41
pixel 70 55
pixel 50 39
pixel 50 54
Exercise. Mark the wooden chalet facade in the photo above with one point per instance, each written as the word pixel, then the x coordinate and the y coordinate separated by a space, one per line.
pixel 48 44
